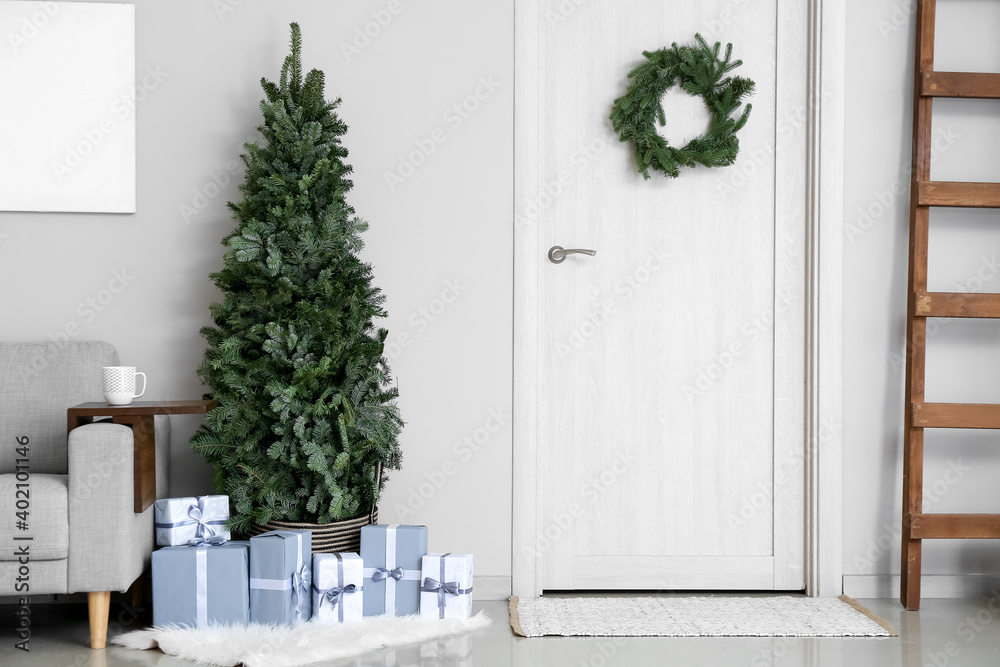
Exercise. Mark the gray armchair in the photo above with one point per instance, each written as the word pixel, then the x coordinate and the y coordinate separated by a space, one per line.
pixel 85 535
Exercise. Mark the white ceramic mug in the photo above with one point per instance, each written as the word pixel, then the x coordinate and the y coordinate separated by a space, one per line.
pixel 119 384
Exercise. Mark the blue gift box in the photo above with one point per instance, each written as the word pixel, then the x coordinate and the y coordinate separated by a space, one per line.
pixel 392 556
pixel 281 577
pixel 198 585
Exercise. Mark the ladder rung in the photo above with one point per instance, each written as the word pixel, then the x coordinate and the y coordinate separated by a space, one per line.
pixel 948 193
pixel 956 415
pixel 957 304
pixel 954 526
pixel 960 84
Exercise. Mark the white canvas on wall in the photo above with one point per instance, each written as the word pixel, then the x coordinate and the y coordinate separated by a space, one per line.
pixel 67 121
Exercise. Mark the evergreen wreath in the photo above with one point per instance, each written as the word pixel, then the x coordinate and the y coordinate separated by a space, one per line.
pixel 700 72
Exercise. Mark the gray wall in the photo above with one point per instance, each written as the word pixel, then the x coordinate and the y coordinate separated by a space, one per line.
pixel 965 248
pixel 440 240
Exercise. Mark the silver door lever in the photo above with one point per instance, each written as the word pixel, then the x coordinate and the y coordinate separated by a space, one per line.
pixel 557 254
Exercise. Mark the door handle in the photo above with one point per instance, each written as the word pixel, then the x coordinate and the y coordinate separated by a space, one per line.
pixel 557 254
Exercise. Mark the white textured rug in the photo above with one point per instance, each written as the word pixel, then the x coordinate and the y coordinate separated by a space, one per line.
pixel 266 646
pixel 773 616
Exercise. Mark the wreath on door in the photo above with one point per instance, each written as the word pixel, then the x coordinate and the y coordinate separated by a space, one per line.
pixel 701 72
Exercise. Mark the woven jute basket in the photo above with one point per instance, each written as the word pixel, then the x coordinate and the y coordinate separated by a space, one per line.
pixel 327 538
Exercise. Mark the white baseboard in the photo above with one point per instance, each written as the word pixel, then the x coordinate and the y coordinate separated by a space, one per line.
pixel 931 585
pixel 490 588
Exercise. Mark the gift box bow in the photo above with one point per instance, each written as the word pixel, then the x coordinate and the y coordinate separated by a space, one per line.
pixel 196 516
pixel 382 573
pixel 333 595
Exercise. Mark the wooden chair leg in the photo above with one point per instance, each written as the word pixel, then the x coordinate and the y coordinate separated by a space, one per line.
pixel 98 606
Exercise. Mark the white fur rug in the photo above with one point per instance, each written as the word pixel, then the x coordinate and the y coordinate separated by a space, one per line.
pixel 268 646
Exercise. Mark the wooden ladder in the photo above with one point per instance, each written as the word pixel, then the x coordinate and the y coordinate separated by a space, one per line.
pixel 921 304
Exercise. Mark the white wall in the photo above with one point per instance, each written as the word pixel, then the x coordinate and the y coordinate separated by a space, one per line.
pixel 448 224
pixel 963 356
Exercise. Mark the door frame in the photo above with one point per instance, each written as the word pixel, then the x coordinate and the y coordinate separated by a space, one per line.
pixel 823 281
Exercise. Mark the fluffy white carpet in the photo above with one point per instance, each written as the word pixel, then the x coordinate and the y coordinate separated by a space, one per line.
pixel 267 646
pixel 723 616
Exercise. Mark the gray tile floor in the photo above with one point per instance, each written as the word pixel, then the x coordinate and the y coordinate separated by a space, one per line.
pixel 953 633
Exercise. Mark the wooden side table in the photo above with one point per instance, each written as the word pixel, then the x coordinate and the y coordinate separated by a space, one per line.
pixel 139 416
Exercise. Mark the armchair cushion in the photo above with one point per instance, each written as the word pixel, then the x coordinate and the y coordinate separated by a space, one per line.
pixel 38 382
pixel 47 519
pixel 109 544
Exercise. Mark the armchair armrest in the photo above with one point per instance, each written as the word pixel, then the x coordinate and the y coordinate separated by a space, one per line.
pixel 109 544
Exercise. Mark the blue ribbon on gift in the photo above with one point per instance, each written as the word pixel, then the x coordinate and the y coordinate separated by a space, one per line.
pixel 196 516
pixel 213 541
pixel 443 588
pixel 335 595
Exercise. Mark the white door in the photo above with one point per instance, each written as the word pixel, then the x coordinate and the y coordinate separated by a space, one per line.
pixel 670 402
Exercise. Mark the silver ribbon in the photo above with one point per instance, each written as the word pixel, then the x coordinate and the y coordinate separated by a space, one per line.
pixel 196 515
pixel 213 541
pixel 443 588
pixel 201 579
pixel 301 582
pixel 382 573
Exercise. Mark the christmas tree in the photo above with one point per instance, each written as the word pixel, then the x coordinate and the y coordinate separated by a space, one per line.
pixel 307 418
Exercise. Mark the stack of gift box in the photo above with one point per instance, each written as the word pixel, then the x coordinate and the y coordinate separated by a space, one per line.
pixel 200 576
